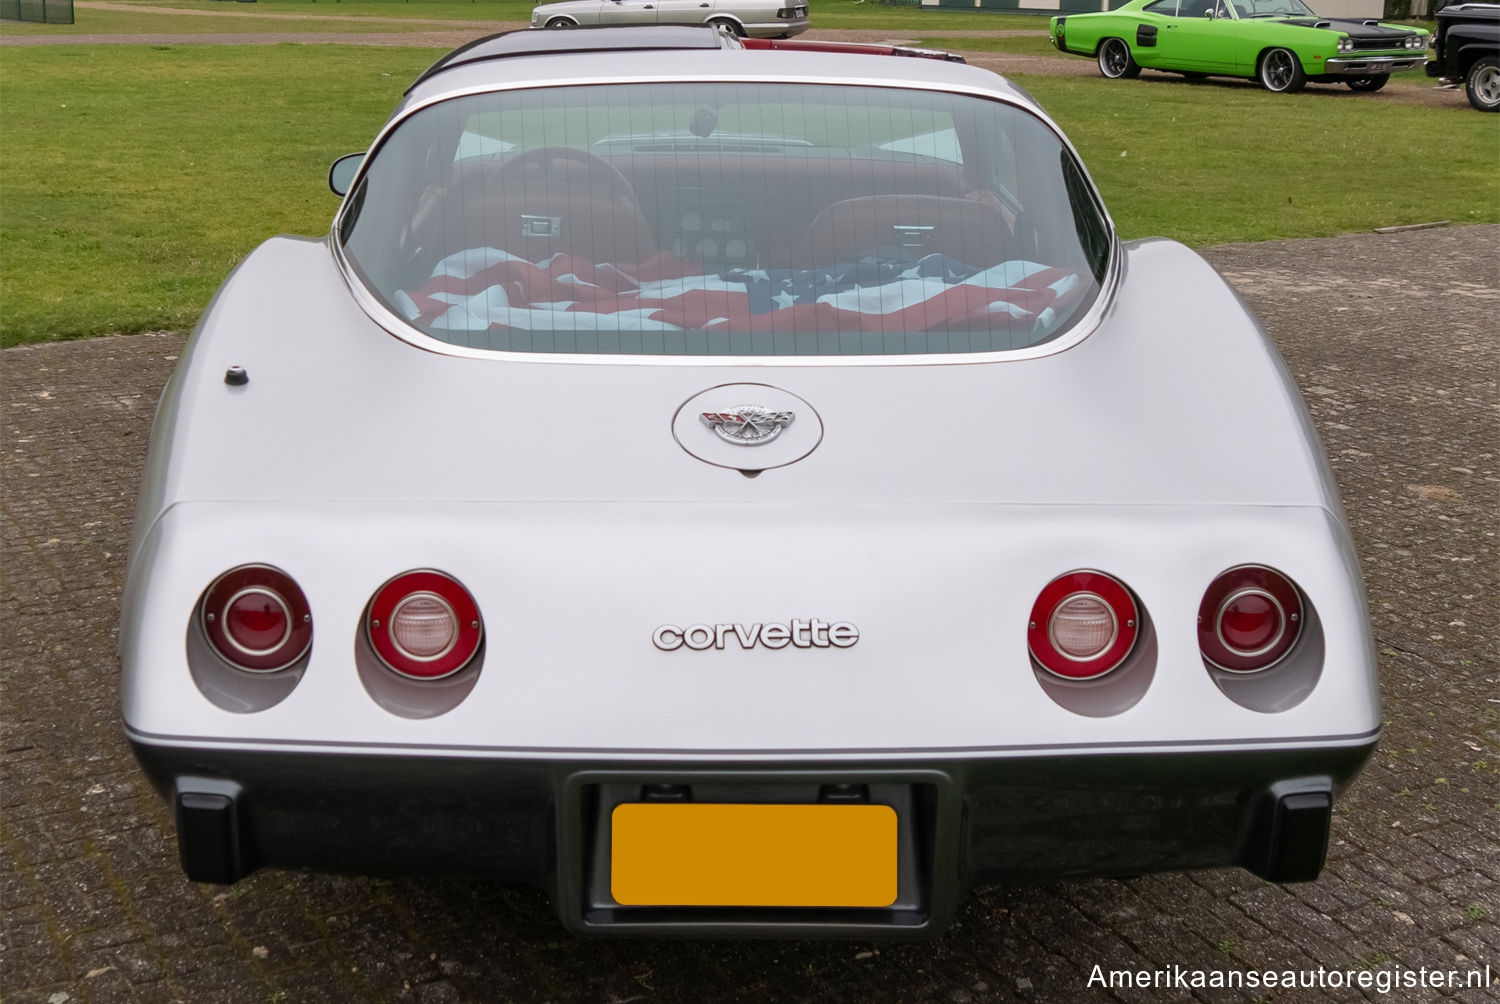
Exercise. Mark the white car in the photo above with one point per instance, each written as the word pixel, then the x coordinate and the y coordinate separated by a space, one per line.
pixel 752 18
pixel 741 491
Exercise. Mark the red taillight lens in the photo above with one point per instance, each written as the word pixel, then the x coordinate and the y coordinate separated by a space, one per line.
pixel 1249 619
pixel 256 618
pixel 424 625
pixel 1083 625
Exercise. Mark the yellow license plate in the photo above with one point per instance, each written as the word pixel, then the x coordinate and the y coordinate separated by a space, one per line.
pixel 692 854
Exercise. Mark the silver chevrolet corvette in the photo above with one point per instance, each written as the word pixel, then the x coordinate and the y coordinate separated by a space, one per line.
pixel 742 490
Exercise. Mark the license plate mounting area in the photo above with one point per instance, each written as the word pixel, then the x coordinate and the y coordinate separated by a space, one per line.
pixel 785 853
pixel 739 854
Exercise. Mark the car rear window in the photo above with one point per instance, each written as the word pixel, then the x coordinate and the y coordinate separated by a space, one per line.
pixel 739 219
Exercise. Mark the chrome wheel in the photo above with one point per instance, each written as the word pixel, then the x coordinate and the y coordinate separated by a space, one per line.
pixel 1483 84
pixel 1281 72
pixel 1115 60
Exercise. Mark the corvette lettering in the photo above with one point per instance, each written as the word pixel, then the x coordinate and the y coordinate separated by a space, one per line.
pixel 811 633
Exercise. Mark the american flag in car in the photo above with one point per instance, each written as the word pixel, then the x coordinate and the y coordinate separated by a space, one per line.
pixel 486 288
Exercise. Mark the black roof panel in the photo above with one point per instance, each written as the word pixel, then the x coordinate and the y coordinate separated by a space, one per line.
pixel 537 42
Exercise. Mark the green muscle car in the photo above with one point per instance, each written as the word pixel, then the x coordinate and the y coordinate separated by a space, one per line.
pixel 1281 43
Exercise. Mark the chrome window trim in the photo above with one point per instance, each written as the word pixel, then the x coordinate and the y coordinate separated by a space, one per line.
pixel 400 328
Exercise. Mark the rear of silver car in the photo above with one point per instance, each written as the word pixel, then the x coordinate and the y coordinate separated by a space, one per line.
pixel 622 518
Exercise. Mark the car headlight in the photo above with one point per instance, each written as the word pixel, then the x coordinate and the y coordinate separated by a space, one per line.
pixel 1345 45
pixel 535 17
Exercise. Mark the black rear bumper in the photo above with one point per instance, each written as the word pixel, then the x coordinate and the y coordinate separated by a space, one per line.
pixel 963 821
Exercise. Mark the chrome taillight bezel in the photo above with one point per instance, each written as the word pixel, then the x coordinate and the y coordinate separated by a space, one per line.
pixel 453 596
pixel 256 580
pixel 1093 584
pixel 1251 580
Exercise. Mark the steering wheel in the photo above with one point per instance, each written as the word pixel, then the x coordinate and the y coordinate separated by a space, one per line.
pixel 543 157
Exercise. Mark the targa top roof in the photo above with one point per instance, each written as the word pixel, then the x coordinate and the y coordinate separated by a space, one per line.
pixel 618 38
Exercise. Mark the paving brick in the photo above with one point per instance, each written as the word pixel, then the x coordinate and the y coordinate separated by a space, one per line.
pixel 1479 943
pixel 166 905
pixel 441 992
pixel 34 955
pixel 44 839
pixel 79 894
pixel 224 983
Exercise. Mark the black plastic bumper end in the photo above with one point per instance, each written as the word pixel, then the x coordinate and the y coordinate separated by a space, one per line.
pixel 1289 839
pixel 213 837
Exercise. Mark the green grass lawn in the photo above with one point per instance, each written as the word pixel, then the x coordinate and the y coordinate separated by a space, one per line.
pixel 124 17
pixel 825 13
pixel 498 10
pixel 125 21
pixel 136 17
pixel 1211 162
pixel 1021 45
pixel 134 178
pixel 879 17
pixel 207 17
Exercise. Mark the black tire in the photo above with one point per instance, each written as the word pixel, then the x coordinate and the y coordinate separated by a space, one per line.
pixel 1368 84
pixel 561 22
pixel 726 24
pixel 1115 60
pixel 1483 84
pixel 1280 72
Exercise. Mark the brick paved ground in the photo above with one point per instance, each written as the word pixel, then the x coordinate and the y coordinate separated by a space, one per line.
pixel 1394 342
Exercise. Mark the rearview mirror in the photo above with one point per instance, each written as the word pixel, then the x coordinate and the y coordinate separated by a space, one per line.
pixel 341 174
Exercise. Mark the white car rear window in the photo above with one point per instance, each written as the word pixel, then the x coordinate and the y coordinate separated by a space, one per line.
pixel 742 219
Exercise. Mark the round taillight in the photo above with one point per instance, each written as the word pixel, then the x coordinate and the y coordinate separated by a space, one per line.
pixel 1083 625
pixel 1249 619
pixel 256 618
pixel 424 625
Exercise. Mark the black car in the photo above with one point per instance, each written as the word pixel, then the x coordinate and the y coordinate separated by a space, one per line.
pixel 1468 49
